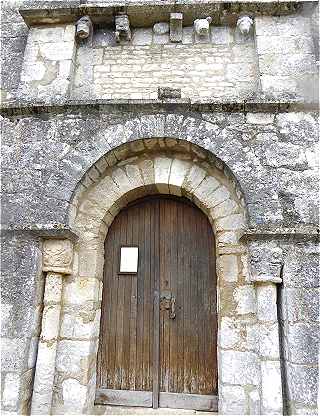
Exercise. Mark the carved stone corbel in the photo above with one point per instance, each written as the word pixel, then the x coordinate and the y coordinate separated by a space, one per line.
pixel 202 26
pixel 123 30
pixel 84 27
pixel 176 27
pixel 244 25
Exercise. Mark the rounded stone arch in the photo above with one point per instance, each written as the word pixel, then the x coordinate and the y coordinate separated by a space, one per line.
pixel 139 156
pixel 131 171
pixel 143 130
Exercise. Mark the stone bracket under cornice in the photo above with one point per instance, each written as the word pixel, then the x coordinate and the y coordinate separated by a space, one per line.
pixel 103 12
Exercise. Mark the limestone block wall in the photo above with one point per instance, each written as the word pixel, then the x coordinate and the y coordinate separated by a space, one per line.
pixel 222 65
pixel 48 62
pixel 21 306
pixel 287 56
pixel 274 157
pixel 14 34
pixel 300 315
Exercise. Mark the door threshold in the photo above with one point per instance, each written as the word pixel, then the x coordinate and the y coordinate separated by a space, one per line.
pixel 123 410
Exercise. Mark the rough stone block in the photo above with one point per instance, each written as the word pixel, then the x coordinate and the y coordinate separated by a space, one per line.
pixel 304 342
pixel 121 180
pixel 238 367
pixel 10 395
pixel 134 175
pixel 269 340
pixel 162 167
pixel 161 39
pixel 58 51
pixel 147 170
pixel 301 267
pixel 81 290
pixel 178 172
pixel 161 28
pixel 50 323
pixel 303 384
pixel 254 402
pixel 230 223
pixel 233 400
pixel 74 396
pixel 205 189
pixel 226 238
pixel 80 324
pixel 271 387
pixel 267 303
pixel 187 35
pixel 195 176
pixel 53 286
pixel 228 267
pixel 49 34
pixel 13 354
pixel 142 37
pixel 229 333
pixel 260 118
pixel 302 304
pixel 218 196
pixel 45 372
pixel 245 298
pixel 224 208
pixel 221 35
pixel 74 357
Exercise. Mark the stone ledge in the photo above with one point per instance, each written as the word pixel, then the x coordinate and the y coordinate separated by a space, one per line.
pixel 46 12
pixel 302 233
pixel 44 231
pixel 104 105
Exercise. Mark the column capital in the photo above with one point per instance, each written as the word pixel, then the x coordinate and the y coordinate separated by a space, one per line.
pixel 57 256
pixel 266 261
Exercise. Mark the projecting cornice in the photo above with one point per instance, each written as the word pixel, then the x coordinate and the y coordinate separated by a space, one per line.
pixel 16 108
pixel 148 12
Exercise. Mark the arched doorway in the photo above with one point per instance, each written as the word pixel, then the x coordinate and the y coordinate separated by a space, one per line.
pixel 158 334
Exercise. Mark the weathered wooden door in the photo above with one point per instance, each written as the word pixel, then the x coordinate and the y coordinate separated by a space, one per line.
pixel 157 343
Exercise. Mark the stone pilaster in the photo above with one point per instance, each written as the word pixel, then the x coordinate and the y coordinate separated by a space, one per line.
pixel 266 264
pixel 48 63
pixel 57 262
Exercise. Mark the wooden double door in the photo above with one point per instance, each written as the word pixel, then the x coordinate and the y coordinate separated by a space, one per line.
pixel 158 333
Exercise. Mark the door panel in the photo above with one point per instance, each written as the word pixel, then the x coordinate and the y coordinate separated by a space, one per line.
pixel 126 344
pixel 187 342
pixel 142 348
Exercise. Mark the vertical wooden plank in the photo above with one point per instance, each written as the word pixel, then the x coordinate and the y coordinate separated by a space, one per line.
pixel 156 309
pixel 119 363
pixel 181 261
pixel 134 300
pixel 173 323
pixel 188 300
pixel 126 282
pixel 146 301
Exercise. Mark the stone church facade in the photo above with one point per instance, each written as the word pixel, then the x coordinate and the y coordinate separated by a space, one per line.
pixel 206 104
